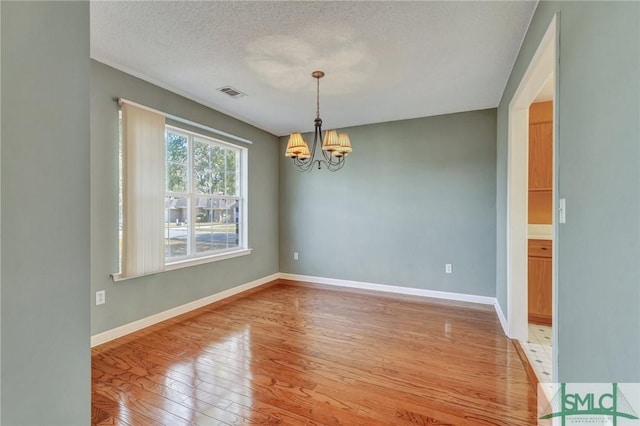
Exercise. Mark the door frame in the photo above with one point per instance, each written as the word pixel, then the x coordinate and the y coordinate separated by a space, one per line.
pixel 543 66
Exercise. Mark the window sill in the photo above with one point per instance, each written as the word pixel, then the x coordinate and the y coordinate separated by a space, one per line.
pixel 206 259
pixel 190 262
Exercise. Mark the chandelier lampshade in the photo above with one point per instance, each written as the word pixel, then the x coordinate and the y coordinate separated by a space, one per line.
pixel 331 142
pixel 296 145
pixel 345 145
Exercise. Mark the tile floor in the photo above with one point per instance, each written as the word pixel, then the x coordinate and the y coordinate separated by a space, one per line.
pixel 538 349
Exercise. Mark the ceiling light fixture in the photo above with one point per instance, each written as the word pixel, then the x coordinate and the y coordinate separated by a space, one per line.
pixel 335 146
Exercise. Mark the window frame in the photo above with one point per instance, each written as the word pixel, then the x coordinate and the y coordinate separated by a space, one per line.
pixel 192 196
pixel 206 257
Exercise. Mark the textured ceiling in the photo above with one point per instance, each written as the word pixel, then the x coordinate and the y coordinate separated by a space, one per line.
pixel 383 61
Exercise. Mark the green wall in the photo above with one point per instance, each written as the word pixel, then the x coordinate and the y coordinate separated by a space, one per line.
pixel 598 161
pixel 138 298
pixel 45 214
pixel 414 195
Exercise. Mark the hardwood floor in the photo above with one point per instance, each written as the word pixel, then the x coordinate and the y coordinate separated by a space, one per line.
pixel 298 354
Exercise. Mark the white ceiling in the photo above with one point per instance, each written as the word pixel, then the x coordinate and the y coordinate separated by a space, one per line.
pixel 384 61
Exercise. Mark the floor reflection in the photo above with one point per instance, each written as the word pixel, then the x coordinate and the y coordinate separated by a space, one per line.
pixel 298 355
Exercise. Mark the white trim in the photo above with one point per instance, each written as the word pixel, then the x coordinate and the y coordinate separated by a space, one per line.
pixel 485 300
pixel 123 330
pixel 134 326
pixel 540 69
pixel 179 264
pixel 185 263
pixel 503 320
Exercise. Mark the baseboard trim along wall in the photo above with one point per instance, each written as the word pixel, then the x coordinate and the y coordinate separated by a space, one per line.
pixel 123 330
pixel 460 297
pixel 134 326
pixel 501 317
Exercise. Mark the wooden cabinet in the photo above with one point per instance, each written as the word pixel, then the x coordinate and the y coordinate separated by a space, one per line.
pixel 540 210
pixel 540 162
pixel 540 275
pixel 540 156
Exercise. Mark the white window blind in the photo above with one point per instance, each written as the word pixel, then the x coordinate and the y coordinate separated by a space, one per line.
pixel 143 191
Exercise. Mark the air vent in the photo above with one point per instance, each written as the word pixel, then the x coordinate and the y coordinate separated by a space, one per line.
pixel 234 93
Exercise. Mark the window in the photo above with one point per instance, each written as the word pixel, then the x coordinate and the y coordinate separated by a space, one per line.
pixel 182 196
pixel 203 199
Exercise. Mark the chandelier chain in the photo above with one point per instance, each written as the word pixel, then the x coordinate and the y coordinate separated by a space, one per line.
pixel 318 97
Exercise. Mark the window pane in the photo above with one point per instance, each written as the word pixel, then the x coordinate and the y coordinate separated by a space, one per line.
pixel 232 184
pixel 176 231
pixel 176 159
pixel 202 167
pixel 232 222
pixel 206 215
pixel 176 177
pixel 176 148
pixel 218 167
pixel 232 161
pixel 216 224
pixel 232 181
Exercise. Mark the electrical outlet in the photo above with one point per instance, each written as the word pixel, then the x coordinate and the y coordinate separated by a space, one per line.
pixel 295 255
pixel 448 268
pixel 100 297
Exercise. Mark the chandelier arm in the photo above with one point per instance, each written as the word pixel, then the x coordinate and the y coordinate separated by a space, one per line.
pixel 317 134
pixel 304 165
pixel 334 167
pixel 308 164
pixel 340 163
pixel 331 160
pixel 339 160
pixel 325 154
pixel 332 164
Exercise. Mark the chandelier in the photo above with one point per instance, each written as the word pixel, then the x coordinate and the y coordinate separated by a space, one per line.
pixel 335 146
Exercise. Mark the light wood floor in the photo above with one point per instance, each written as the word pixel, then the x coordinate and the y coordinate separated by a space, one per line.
pixel 302 355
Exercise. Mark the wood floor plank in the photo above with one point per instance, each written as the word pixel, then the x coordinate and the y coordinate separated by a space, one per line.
pixel 122 413
pixel 300 354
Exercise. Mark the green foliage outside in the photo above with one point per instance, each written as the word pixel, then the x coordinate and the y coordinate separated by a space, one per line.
pixel 176 155
pixel 215 169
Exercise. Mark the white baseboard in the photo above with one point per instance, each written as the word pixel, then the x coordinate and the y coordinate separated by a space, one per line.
pixel 114 333
pixel 460 297
pixel 501 317
pixel 134 326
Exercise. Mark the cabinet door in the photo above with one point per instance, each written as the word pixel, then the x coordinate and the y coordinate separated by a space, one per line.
pixel 540 156
pixel 540 290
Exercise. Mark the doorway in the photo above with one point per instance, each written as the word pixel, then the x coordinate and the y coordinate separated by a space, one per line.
pixel 538 347
pixel 542 72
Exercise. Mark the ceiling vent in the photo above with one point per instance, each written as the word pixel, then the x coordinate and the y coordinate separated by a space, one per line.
pixel 234 93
